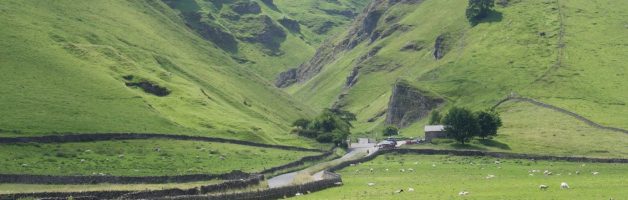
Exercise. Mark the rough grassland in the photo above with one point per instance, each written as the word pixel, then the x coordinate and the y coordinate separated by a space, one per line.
pixel 63 65
pixel 520 48
pixel 537 130
pixel 139 158
pixel 443 177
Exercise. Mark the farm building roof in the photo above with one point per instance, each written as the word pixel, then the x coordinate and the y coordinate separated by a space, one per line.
pixel 433 128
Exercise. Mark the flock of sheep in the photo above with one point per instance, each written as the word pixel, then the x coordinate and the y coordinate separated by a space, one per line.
pixel 563 185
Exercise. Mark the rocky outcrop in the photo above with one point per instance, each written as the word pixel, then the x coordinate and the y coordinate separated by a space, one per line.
pixel 362 29
pixel 440 46
pixel 149 87
pixel 290 24
pixel 286 78
pixel 262 30
pixel 211 31
pixel 246 7
pixel 413 46
pixel 408 105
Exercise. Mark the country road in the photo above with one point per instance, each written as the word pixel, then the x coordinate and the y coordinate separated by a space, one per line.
pixel 355 150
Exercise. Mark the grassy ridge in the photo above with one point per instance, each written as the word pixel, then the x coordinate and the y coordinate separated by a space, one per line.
pixel 140 158
pixel 516 49
pixel 443 177
pixel 63 67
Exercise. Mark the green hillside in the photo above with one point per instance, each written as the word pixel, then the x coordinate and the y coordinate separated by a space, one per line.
pixel 267 36
pixel 557 51
pixel 128 66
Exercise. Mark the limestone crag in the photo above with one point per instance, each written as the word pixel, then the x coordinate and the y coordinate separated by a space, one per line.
pixel 408 105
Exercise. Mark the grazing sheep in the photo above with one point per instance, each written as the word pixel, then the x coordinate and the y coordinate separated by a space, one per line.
pixel 82 160
pixel 577 172
pixel 416 163
pixel 399 191
pixel 371 169
pixel 531 174
pixel 463 193
pixel 402 170
pixel 371 184
pixel 298 194
pixel 338 183
pixel 410 189
pixel 386 169
pixel 433 165
pixel 410 170
pixel 497 162
pixel 351 165
pixel 564 185
pixel 543 187
pixel 490 176
pixel 595 173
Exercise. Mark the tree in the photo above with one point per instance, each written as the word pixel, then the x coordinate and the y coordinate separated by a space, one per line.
pixel 331 126
pixel 461 124
pixel 435 118
pixel 489 122
pixel 390 131
pixel 478 9
pixel 301 123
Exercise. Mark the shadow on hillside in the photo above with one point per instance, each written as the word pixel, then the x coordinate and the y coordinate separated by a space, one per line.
pixel 494 143
pixel 493 16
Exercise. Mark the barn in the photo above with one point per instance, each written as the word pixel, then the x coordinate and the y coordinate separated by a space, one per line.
pixel 434 131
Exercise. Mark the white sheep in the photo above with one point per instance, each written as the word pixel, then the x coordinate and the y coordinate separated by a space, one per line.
pixel 497 162
pixel 410 189
pixel 595 173
pixel 410 170
pixel 543 187
pixel 399 191
pixel 564 185
pixel 463 193
pixel 402 170
pixel 371 169
pixel 386 169
pixel 433 165
pixel 490 176
pixel 298 194
pixel 577 172
pixel 371 184
pixel 416 163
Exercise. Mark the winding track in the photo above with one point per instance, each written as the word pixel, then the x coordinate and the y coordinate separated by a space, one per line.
pixel 561 110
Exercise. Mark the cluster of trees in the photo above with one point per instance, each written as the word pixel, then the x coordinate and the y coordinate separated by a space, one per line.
pixel 478 9
pixel 331 126
pixel 462 124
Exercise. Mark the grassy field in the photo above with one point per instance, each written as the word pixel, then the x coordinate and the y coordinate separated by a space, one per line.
pixel 25 188
pixel 443 177
pixel 536 130
pixel 139 158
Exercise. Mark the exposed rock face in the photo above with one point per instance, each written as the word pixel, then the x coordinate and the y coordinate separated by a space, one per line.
pixel 150 88
pixel 413 46
pixel 263 30
pixel 290 24
pixel 211 31
pixel 362 29
pixel 440 46
pixel 286 78
pixel 408 105
pixel 246 7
